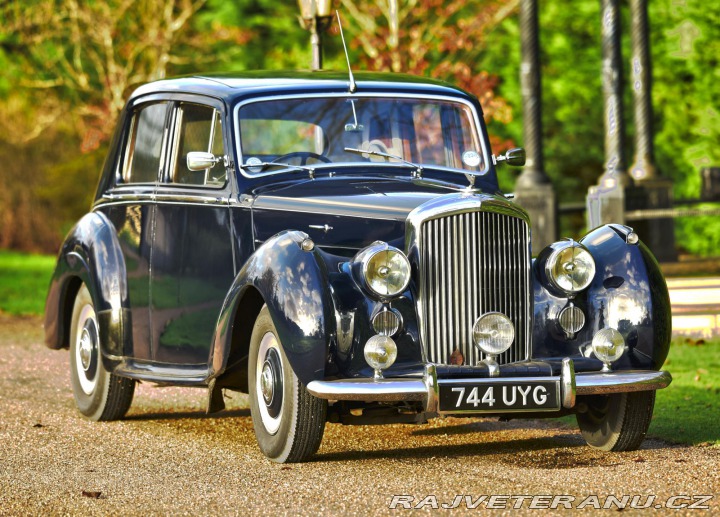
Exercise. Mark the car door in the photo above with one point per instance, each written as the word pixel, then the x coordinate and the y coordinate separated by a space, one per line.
pixel 192 260
pixel 129 204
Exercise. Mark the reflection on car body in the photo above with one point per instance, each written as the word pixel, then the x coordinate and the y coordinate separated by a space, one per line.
pixel 344 257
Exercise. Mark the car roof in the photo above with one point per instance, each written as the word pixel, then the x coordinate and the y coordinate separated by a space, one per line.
pixel 238 85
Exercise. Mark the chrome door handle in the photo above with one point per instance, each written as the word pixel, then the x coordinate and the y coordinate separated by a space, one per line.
pixel 324 227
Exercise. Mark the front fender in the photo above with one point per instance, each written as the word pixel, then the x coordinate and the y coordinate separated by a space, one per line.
pixel 90 254
pixel 294 285
pixel 628 294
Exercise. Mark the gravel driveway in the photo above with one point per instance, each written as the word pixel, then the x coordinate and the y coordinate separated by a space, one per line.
pixel 168 458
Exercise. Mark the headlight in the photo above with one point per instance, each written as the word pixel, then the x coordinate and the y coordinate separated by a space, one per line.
pixel 493 333
pixel 570 267
pixel 385 269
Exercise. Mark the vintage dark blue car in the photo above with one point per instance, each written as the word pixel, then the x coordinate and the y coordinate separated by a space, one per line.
pixel 341 252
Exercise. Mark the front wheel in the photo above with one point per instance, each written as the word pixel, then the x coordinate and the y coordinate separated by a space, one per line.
pixel 616 422
pixel 99 394
pixel 289 422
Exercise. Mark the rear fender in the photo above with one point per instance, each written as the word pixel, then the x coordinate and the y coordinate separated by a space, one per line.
pixel 90 255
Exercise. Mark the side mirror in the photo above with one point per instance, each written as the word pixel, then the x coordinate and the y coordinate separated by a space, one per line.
pixel 515 157
pixel 199 161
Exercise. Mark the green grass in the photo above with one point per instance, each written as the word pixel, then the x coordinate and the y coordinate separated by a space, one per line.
pixel 688 411
pixel 24 280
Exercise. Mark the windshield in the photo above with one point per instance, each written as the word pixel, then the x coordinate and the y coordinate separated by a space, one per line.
pixel 315 131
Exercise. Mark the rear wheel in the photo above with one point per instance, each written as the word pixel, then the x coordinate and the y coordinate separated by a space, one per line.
pixel 99 394
pixel 616 422
pixel 289 422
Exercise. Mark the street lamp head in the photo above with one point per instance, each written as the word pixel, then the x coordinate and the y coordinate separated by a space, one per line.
pixel 312 8
pixel 315 17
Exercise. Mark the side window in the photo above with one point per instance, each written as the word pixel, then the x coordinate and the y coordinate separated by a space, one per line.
pixel 144 147
pixel 198 129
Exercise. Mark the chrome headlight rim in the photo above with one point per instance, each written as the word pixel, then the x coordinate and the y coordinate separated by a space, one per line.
pixel 364 258
pixel 554 256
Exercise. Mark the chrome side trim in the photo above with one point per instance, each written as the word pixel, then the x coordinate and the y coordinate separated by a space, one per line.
pixel 191 199
pixel 163 198
pixel 600 383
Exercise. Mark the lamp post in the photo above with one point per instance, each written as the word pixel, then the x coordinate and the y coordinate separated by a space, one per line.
pixel 655 190
pixel 533 189
pixel 606 201
pixel 315 16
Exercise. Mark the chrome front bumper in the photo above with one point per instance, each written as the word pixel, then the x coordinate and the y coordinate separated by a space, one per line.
pixel 426 389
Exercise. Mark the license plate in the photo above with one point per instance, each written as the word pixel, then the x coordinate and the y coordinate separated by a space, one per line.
pixel 497 396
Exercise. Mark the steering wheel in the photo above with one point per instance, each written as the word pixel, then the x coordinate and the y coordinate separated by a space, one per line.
pixel 304 156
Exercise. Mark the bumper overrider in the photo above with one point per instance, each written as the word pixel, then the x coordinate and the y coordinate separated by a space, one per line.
pixel 446 394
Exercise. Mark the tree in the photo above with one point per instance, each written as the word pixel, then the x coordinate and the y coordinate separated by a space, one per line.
pixel 91 54
pixel 440 39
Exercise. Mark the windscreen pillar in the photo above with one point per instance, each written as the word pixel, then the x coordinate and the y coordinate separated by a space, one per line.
pixel 533 189
pixel 655 191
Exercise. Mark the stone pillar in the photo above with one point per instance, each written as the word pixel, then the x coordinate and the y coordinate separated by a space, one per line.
pixel 533 189
pixel 654 191
pixel 606 200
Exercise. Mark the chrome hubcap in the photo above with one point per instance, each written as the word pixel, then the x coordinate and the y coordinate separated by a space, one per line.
pixel 267 381
pixel 86 349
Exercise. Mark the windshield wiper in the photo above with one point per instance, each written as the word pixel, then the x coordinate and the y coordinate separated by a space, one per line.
pixel 418 168
pixel 258 166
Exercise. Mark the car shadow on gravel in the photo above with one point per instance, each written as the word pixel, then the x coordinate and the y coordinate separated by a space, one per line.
pixel 562 451
pixel 193 415
pixel 447 451
pixel 485 425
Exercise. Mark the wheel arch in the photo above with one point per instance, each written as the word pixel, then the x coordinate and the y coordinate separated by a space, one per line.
pixel 293 283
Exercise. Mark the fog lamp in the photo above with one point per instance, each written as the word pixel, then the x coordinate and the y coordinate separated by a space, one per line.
pixel 380 353
pixel 493 333
pixel 608 345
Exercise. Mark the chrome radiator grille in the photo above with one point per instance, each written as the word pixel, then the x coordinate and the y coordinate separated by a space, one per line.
pixel 470 264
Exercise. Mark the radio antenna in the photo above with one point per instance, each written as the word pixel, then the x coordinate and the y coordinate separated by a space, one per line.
pixel 353 86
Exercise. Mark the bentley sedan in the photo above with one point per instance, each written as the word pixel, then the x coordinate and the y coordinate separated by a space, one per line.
pixel 341 251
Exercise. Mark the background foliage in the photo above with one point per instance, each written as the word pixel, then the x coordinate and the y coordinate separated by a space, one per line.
pixel 68 65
